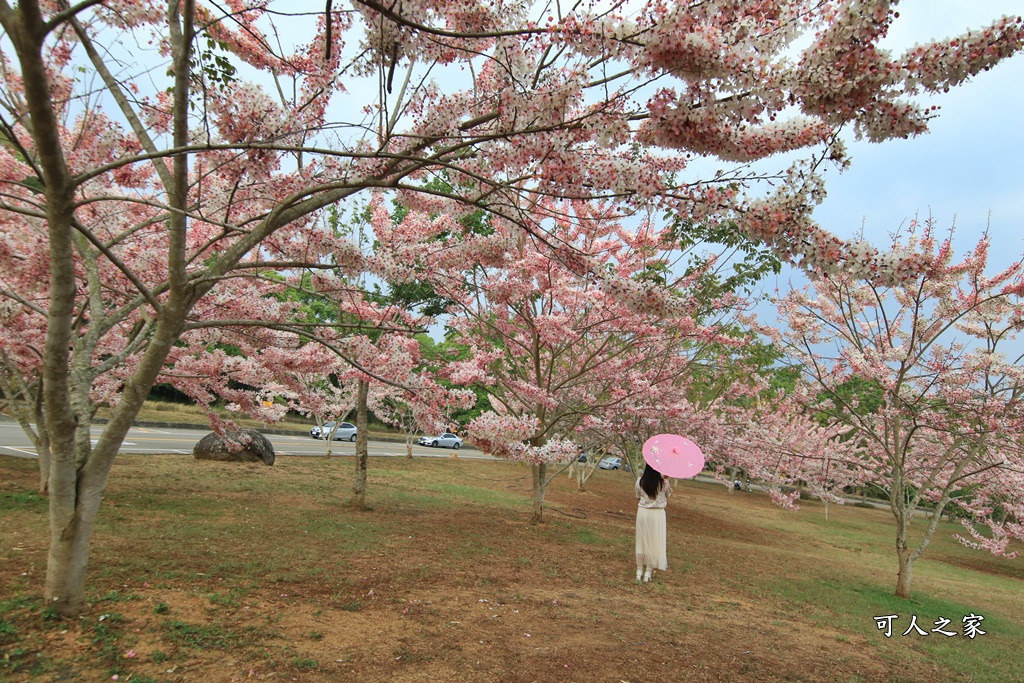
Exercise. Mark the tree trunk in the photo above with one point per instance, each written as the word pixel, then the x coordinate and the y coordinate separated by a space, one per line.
pixel 584 472
pixel 540 473
pixel 43 449
pixel 902 514
pixel 71 534
pixel 325 437
pixel 359 481
pixel 906 572
pixel 78 473
pixel 580 473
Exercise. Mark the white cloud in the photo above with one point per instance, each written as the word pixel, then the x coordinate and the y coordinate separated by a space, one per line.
pixel 966 170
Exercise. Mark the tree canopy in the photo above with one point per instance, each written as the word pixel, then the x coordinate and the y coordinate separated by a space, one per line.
pixel 160 159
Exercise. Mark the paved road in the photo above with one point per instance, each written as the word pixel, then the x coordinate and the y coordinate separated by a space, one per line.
pixel 13 442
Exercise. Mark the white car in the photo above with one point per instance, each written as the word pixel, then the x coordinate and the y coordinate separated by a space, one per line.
pixel 346 431
pixel 446 440
pixel 613 464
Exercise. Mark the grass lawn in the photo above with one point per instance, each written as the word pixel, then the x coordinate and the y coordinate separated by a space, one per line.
pixel 218 572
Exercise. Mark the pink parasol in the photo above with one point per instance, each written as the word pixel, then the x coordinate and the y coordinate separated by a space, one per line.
pixel 674 456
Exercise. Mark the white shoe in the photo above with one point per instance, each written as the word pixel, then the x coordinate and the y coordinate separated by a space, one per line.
pixel 647 575
pixel 639 574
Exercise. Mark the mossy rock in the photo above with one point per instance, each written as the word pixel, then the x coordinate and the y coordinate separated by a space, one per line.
pixel 248 446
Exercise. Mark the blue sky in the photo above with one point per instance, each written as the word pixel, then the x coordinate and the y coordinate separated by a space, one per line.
pixel 967 171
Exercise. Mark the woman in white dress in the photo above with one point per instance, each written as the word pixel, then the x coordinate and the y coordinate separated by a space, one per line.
pixel 652 490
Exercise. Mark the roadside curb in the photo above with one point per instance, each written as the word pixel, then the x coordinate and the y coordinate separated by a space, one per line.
pixel 269 430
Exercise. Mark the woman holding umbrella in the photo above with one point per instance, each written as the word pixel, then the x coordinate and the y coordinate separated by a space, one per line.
pixel 653 490
pixel 666 455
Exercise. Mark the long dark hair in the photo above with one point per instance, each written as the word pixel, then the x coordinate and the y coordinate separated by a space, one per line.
pixel 651 481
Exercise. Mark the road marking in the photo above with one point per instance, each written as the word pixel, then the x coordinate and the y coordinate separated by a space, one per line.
pixel 148 438
pixel 161 450
pixel 27 454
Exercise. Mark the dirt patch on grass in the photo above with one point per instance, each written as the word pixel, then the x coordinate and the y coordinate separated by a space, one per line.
pixel 279 580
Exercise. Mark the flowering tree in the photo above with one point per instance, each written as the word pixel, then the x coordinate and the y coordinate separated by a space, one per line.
pixel 553 351
pixel 400 414
pixel 669 409
pixel 780 444
pixel 946 434
pixel 276 374
pixel 397 372
pixel 279 365
pixel 425 405
pixel 138 208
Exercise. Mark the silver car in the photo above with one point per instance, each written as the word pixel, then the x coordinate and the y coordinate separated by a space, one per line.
pixel 346 431
pixel 446 440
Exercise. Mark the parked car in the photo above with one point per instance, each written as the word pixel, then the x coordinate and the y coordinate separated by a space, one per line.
pixel 446 440
pixel 613 464
pixel 346 431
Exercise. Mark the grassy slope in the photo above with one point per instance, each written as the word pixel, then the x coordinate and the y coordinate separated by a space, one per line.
pixel 221 569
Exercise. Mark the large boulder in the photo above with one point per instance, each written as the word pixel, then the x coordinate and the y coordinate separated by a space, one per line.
pixel 249 446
